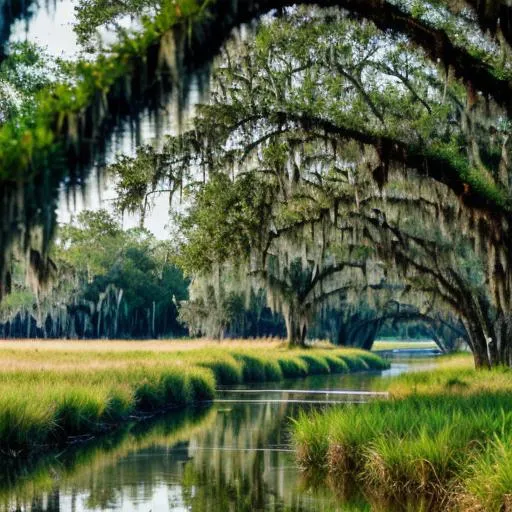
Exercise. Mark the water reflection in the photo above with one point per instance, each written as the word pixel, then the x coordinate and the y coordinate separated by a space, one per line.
pixel 228 457
pixel 97 475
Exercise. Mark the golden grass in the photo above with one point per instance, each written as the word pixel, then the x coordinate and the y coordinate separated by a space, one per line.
pixel 455 377
pixel 403 344
pixel 136 345
pixel 37 354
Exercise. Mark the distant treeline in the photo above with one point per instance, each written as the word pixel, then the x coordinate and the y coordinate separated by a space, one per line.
pixel 111 283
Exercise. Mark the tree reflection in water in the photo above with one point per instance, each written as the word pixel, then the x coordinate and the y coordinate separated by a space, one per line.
pixel 229 457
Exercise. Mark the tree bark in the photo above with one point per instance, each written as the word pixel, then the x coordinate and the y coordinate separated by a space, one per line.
pixel 478 344
pixel 296 326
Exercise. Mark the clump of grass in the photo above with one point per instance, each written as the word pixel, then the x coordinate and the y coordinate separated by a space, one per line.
pixel 202 385
pixel 258 367
pixel 24 420
pixel 451 443
pixel 312 444
pixel 421 464
pixel 456 382
pixel 120 403
pixel 292 366
pixel 355 362
pixel 488 477
pixel 336 364
pixel 317 365
pixel 226 368
pixel 373 361
pixel 79 410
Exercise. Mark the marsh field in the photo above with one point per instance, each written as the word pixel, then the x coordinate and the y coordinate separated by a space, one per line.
pixel 51 390
pixel 343 428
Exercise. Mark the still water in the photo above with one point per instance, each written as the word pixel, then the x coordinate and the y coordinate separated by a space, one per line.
pixel 233 455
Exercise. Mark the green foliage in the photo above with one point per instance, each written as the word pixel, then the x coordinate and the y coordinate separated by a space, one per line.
pixel 31 135
pixel 224 222
pixel 90 243
pixel 23 73
pixel 107 282
pixel 103 256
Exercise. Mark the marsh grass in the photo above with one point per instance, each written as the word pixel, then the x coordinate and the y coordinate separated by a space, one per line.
pixel 444 435
pixel 454 377
pixel 316 364
pixel 292 366
pixel 52 390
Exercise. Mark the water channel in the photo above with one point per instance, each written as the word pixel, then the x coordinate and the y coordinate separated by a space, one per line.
pixel 232 455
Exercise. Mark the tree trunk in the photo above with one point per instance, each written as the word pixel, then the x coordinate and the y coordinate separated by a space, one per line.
pixel 478 344
pixel 370 333
pixel 296 327
pixel 359 332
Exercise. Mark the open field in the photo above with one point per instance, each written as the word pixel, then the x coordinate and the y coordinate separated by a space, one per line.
pixel 137 345
pixel 52 390
pixel 446 435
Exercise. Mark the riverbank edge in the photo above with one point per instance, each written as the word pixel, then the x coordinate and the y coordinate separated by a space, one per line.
pixel 444 437
pixel 38 473
pixel 36 419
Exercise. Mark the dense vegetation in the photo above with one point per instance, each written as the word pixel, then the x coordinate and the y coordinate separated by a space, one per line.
pixel 105 283
pixel 443 436
pixel 109 283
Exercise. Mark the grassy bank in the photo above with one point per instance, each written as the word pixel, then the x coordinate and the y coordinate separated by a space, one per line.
pixel 52 390
pixel 445 435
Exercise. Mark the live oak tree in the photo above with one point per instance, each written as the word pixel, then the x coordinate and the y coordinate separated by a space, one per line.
pixel 396 138
pixel 372 132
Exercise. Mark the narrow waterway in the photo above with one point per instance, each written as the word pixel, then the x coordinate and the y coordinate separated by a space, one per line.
pixel 233 455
